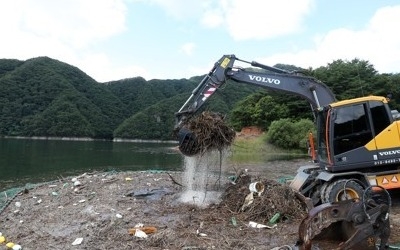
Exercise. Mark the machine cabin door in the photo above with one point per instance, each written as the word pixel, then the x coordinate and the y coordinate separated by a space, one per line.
pixel 387 137
pixel 386 131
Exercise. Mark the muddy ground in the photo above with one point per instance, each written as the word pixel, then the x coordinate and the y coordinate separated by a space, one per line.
pixel 100 210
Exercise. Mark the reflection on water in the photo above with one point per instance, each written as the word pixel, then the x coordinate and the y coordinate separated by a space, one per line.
pixel 33 161
pixel 25 160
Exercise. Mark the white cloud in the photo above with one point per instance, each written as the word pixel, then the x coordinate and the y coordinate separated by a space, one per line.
pixel 180 9
pixel 105 70
pixel 74 23
pixel 62 30
pixel 259 19
pixel 198 71
pixel 188 48
pixel 243 19
pixel 212 18
pixel 377 43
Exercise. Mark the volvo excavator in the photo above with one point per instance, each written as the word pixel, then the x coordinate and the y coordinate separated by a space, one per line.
pixel 355 157
pixel 357 142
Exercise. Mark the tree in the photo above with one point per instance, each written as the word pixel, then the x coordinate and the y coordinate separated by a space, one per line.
pixel 258 109
pixel 60 119
pixel 348 79
pixel 289 134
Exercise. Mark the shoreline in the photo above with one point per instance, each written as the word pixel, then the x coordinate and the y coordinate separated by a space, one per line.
pixel 61 138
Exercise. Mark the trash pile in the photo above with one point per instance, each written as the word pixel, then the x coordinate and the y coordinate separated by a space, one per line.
pixel 264 201
pixel 208 131
pixel 141 210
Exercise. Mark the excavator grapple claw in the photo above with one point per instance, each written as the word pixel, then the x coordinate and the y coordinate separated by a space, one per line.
pixel 188 144
pixel 355 224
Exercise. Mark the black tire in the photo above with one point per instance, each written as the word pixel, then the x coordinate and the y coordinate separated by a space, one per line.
pixel 335 191
pixel 323 192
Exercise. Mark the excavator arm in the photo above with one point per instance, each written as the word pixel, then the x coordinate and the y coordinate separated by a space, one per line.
pixel 314 91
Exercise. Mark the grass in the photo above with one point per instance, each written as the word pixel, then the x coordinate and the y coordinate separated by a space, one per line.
pixel 256 149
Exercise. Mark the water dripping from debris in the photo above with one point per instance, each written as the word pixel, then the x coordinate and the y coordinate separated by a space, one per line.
pixel 202 178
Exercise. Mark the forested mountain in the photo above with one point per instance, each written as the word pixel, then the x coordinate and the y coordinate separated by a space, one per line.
pixel 137 93
pixel 157 121
pixel 46 97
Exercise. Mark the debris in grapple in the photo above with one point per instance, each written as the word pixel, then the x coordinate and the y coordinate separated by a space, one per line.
pixel 205 132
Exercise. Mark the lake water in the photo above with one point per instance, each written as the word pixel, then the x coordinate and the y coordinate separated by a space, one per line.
pixel 31 161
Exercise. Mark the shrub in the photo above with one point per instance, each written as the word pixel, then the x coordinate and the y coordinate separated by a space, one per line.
pixel 289 134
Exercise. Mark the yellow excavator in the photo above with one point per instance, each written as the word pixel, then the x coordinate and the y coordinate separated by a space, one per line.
pixel 356 158
pixel 357 142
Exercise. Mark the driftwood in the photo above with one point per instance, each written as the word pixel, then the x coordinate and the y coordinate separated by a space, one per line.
pixel 174 181
pixel 206 132
pixel 276 198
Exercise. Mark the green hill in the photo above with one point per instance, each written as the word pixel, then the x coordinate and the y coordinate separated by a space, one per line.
pixel 45 97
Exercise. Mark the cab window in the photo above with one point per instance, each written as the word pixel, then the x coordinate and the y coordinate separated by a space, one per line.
pixel 380 116
pixel 351 128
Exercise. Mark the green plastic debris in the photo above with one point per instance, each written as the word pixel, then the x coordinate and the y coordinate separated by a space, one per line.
pixel 285 179
pixel 232 178
pixel 234 222
pixel 274 218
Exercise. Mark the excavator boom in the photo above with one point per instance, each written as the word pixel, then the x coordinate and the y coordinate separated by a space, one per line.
pixel 314 91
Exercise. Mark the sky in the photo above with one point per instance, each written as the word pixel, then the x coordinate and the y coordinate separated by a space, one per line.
pixel 172 39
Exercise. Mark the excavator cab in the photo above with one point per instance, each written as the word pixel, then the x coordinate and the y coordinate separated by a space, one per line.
pixel 352 131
